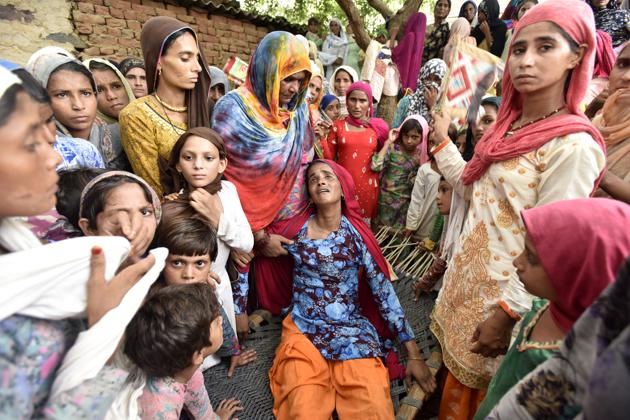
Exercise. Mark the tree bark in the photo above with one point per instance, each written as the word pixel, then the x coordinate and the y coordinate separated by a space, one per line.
pixel 356 22
pixel 381 7
pixel 402 16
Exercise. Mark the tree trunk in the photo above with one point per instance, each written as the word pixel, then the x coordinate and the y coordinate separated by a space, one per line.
pixel 356 22
pixel 381 7
pixel 402 16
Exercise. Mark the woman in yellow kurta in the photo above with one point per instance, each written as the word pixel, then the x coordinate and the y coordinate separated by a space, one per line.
pixel 542 149
pixel 178 83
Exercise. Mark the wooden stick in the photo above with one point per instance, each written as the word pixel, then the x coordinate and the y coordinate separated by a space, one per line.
pixel 416 396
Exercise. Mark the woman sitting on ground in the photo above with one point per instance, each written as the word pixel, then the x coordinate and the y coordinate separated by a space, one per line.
pixel 329 356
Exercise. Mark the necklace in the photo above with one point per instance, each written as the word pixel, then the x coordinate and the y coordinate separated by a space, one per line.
pixel 175 129
pixel 170 107
pixel 512 130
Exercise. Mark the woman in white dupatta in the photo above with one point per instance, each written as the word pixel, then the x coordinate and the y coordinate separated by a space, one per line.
pixel 42 287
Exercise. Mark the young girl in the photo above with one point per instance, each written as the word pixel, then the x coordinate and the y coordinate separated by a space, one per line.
pixel 194 173
pixel 169 349
pixel 114 92
pixel 429 281
pixel 398 162
pixel 559 266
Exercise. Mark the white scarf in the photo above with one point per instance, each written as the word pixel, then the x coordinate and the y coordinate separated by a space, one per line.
pixel 50 282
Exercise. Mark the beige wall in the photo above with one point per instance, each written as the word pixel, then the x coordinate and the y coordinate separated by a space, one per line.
pixel 27 25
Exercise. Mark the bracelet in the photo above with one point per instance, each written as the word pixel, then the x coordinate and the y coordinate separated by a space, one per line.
pixel 508 311
pixel 440 146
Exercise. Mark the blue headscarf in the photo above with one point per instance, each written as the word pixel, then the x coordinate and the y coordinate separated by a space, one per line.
pixel 327 100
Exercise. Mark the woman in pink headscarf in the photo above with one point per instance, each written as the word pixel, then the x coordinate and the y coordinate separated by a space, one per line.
pixel 353 141
pixel 542 149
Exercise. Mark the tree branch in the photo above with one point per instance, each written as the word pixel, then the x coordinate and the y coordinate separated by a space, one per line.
pixel 402 15
pixel 381 7
pixel 356 22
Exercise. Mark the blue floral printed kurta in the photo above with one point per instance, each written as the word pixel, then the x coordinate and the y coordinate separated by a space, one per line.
pixel 326 295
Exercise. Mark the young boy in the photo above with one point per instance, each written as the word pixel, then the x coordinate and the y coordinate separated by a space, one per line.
pixel 192 247
pixel 313 32
pixel 168 339
pixel 437 269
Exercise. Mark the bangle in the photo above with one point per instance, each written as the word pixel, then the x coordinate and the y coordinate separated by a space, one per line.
pixel 440 146
pixel 508 311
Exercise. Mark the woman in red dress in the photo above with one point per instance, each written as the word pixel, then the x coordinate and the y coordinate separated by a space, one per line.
pixel 354 140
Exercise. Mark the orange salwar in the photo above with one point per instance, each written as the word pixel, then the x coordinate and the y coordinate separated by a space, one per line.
pixel 307 386
pixel 459 402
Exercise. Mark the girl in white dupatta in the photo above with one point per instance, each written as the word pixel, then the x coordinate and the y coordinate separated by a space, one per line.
pixel 41 287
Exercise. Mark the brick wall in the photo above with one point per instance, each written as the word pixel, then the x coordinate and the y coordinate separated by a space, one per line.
pixel 111 28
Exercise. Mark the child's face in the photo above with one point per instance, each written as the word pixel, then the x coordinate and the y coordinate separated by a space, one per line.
pixel 444 195
pixel 313 27
pixel 199 162
pixel 411 140
pixel 461 143
pixel 216 337
pixel 486 122
pixel 182 269
pixel 531 272
pixel 332 110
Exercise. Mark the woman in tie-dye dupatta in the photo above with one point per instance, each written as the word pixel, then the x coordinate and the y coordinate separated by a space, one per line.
pixel 269 142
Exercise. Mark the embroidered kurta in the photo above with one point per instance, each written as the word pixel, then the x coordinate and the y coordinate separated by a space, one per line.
pixel 31 351
pixel 481 271
pixel 148 133
pixel 326 295
pixel 422 204
pixel 398 170
pixel 354 150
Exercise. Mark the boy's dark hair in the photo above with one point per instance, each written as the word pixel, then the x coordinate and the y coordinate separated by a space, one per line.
pixel 183 232
pixel 32 86
pixel 71 184
pixel 313 21
pixel 75 67
pixel 172 324
pixel 8 102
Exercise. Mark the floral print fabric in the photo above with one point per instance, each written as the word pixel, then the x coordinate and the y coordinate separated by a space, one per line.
pixel 435 41
pixel 326 295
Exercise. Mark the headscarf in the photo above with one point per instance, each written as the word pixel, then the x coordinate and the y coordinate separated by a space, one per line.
pixel 155 200
pixel 352 72
pixel 130 63
pixel 337 40
pixel 316 72
pixel 422 149
pixel 377 124
pixel 407 55
pixel 575 18
pixel 417 103
pixel 45 61
pixel 7 79
pixel 605 55
pixel 581 244
pixel 327 100
pixel 155 33
pixel 498 28
pixel 614 124
pixel 122 79
pixel 613 20
pixel 460 31
pixel 492 9
pixel 266 143
pixel 462 9
pixel 171 179
pixel 218 77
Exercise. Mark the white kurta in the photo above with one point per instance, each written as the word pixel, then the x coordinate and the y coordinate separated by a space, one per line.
pixel 422 206
pixel 481 272
pixel 233 232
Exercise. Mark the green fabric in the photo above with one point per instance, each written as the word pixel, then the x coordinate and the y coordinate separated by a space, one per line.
pixel 352 58
pixel 514 367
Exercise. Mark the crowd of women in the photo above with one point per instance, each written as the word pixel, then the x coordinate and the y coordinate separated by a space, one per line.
pixel 150 206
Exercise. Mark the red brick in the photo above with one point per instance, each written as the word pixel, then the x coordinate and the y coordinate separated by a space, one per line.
pixel 177 9
pixel 113 31
pixel 252 39
pixel 107 50
pixel 134 24
pixel 101 10
pixel 218 18
pixel 116 23
pixel 152 3
pixel 211 31
pixel 198 13
pixel 117 13
pixel 118 4
pixel 187 19
pixel 134 1
pixel 86 18
pixel 85 7
pixel 164 12
pixel 84 28
pixel 102 40
pixel 144 9
pixel 99 29
pixel 128 42
pixel 92 51
pixel 128 33
pixel 99 2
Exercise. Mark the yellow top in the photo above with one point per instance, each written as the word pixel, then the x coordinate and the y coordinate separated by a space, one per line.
pixel 147 132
